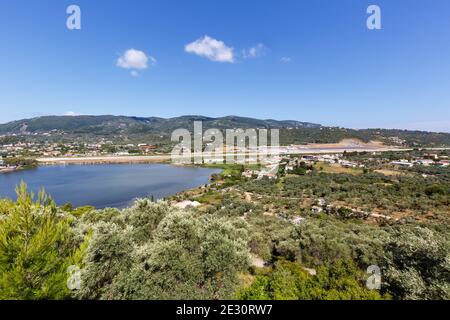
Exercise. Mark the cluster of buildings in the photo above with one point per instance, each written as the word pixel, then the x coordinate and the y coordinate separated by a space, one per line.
pixel 290 164
pixel 308 160
pixel 46 149
pixel 429 159
pixel 72 149
pixel 15 148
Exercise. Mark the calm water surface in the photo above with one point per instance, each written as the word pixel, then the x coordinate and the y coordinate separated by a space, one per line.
pixel 111 185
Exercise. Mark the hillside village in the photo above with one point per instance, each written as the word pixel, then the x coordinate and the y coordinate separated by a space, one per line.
pixel 304 164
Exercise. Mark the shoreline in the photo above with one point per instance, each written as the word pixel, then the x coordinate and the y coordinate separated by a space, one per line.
pixel 10 170
pixel 105 160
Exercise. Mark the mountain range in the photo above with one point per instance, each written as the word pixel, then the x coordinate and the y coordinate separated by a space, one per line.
pixel 158 130
pixel 108 124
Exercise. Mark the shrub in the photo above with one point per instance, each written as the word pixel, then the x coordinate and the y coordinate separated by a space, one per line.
pixel 417 263
pixel 153 251
pixel 289 281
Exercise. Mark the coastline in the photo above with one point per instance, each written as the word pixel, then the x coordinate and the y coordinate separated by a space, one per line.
pixel 105 160
pixel 16 169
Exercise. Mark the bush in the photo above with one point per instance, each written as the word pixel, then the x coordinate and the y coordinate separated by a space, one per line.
pixel 417 263
pixel 289 281
pixel 153 251
pixel 325 240
pixel 20 161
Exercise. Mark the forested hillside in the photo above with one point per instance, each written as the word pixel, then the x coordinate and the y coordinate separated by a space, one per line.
pixel 135 125
pixel 158 130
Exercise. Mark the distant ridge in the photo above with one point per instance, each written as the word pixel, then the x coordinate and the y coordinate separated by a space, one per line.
pixel 108 124
pixel 158 130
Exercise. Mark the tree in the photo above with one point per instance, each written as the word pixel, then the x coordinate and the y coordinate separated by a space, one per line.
pixel 20 161
pixel 36 248
pixel 417 263
pixel 289 281
pixel 154 251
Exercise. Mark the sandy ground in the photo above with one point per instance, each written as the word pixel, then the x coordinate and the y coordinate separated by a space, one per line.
pixel 106 159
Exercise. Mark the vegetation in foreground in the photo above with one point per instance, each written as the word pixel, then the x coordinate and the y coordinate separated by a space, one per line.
pixel 155 251
pixel 37 245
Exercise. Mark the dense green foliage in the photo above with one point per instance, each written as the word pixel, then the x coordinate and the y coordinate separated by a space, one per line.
pixel 20 161
pixel 37 245
pixel 137 125
pixel 334 135
pixel 152 251
pixel 387 194
pixel 326 240
pixel 414 258
pixel 417 262
pixel 288 281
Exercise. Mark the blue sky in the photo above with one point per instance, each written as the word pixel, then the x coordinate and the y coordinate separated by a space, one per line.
pixel 308 60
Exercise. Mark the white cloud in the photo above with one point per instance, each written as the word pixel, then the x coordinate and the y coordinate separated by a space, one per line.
pixel 135 59
pixel 71 114
pixel 286 59
pixel 254 52
pixel 211 49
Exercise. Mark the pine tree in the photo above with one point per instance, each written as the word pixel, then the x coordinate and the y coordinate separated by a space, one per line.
pixel 36 248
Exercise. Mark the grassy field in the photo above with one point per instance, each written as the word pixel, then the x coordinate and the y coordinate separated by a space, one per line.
pixel 331 168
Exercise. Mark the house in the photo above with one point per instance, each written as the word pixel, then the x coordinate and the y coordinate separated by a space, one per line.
pixel 402 163
pixel 432 156
pixel 289 168
pixel 309 158
pixel 297 220
pixel 249 173
pixel 348 164
pixel 147 148
pixel 445 163
pixel 270 172
pixel 425 162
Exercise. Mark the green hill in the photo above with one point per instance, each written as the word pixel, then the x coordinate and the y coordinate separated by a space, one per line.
pixel 134 125
pixel 158 130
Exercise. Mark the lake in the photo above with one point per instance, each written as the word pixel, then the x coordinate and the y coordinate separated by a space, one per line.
pixel 110 185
